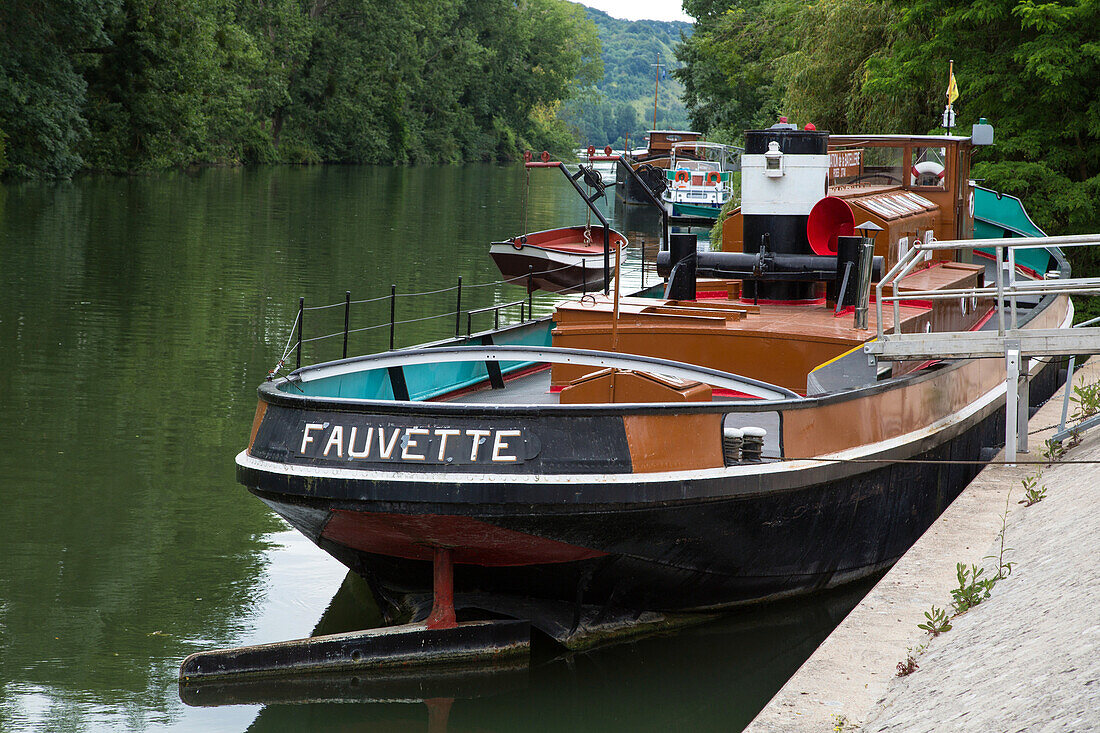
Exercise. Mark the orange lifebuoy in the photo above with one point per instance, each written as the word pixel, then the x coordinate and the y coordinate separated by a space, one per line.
pixel 545 156
pixel 591 150
pixel 713 179
pixel 607 150
pixel 682 178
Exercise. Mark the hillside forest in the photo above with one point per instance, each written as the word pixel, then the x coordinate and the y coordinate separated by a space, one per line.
pixel 621 103
pixel 142 85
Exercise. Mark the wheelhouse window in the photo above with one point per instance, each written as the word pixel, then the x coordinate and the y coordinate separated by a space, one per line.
pixel 866 166
pixel 929 168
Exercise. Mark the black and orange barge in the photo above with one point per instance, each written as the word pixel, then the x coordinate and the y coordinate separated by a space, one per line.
pixel 719 442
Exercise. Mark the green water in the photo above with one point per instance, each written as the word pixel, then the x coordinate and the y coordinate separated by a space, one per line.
pixel 137 317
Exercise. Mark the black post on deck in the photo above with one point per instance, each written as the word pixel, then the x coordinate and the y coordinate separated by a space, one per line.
pixel 682 254
pixel 530 291
pixel 393 312
pixel 584 278
pixel 347 319
pixel 458 309
pixel 301 313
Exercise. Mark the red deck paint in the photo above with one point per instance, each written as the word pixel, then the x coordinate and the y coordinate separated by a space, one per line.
pixel 767 301
pixel 719 392
pixel 470 541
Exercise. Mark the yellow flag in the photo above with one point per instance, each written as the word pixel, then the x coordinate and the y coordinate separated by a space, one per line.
pixel 952 89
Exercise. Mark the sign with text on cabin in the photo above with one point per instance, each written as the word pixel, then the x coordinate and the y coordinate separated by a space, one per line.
pixel 354 441
pixel 845 163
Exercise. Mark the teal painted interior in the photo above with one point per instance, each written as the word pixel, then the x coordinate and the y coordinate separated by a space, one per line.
pixel 997 216
pixel 686 209
pixel 425 381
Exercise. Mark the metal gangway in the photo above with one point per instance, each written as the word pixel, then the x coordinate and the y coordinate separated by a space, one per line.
pixel 1017 346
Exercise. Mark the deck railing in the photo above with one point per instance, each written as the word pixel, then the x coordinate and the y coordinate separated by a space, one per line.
pixel 1016 345
pixel 462 316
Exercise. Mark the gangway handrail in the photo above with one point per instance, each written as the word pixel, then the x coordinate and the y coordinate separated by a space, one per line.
pixel 1016 346
pixel 922 251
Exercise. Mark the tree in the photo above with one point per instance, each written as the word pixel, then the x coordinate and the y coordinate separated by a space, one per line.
pixel 43 46
pixel 731 64
pixel 825 75
pixel 140 85
pixel 1031 69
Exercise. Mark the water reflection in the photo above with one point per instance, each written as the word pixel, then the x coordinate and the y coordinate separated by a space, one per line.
pixel 711 677
pixel 137 317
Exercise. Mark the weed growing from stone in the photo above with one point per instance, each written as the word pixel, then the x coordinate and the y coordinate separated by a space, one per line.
pixel 908 667
pixel 1004 568
pixel 1033 492
pixel 973 588
pixel 1074 438
pixel 937 622
pixel 1087 399
pixel 841 723
pixel 1053 451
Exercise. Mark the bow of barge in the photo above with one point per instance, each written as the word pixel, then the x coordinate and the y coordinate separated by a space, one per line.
pixel 726 443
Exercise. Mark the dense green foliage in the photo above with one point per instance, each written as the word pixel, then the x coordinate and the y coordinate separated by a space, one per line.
pixel 622 103
pixel 132 85
pixel 731 62
pixel 881 66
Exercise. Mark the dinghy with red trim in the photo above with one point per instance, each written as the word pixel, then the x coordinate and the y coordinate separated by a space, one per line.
pixel 563 260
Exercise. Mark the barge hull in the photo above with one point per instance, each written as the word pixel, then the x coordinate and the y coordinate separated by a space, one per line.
pixel 743 538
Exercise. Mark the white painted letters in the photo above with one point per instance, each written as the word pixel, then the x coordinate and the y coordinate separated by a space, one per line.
pixel 443 435
pixel 431 445
pixel 500 444
pixel 306 437
pixel 478 435
pixel 385 451
pixel 410 442
pixel 336 439
pixel 352 453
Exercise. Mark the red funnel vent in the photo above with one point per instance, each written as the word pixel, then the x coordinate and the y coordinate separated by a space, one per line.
pixel 831 217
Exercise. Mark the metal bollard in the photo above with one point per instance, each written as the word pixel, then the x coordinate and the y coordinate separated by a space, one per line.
pixel 731 445
pixel 752 445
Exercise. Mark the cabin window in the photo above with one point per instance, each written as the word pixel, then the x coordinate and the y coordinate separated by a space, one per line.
pixel 866 166
pixel 883 166
pixel 929 168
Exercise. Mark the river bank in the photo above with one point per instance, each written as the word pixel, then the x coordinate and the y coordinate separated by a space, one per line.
pixel 1024 659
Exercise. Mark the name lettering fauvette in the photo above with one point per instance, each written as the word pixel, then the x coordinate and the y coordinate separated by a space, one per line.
pixel 411 444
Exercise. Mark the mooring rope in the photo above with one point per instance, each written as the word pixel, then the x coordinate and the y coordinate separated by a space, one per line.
pixel 937 461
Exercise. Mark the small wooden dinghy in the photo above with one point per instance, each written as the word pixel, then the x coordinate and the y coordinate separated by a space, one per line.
pixel 563 260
